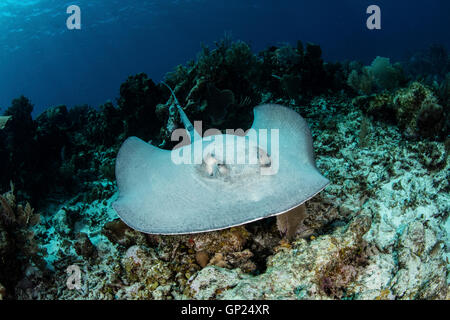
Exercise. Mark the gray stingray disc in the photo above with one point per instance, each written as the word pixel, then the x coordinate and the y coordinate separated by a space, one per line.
pixel 157 196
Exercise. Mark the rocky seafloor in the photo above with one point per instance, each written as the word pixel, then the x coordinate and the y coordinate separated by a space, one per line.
pixel 379 230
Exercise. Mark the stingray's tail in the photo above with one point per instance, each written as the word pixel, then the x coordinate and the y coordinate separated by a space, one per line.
pixel 184 118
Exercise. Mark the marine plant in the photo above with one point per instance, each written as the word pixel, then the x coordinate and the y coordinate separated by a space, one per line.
pixel 380 75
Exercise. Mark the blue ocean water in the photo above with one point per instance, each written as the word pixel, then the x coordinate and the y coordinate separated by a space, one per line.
pixel 43 60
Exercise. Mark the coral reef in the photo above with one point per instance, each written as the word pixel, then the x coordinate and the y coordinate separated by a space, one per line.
pixel 17 144
pixel 299 73
pixel 76 144
pixel 365 237
pixel 360 81
pixel 293 271
pixel 380 75
pixel 217 89
pixel 380 230
pixel 418 111
pixel 415 109
pixel 139 97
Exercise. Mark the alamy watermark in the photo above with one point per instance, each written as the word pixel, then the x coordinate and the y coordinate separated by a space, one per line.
pixel 373 22
pixel 236 147
pixel 74 277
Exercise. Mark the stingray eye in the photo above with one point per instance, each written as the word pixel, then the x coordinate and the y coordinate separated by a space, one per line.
pixel 209 165
pixel 263 158
pixel 214 167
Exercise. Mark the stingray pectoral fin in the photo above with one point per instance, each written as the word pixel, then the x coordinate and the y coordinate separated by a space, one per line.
pixel 139 167
pixel 135 163
pixel 295 144
pixel 158 196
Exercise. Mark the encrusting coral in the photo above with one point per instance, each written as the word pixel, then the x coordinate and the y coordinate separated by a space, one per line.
pixel 346 249
pixel 415 109
pixel 418 111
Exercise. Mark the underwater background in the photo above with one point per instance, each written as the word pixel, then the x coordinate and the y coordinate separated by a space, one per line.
pixel 376 101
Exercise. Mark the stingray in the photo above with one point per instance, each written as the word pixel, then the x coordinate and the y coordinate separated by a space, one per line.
pixel 159 196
